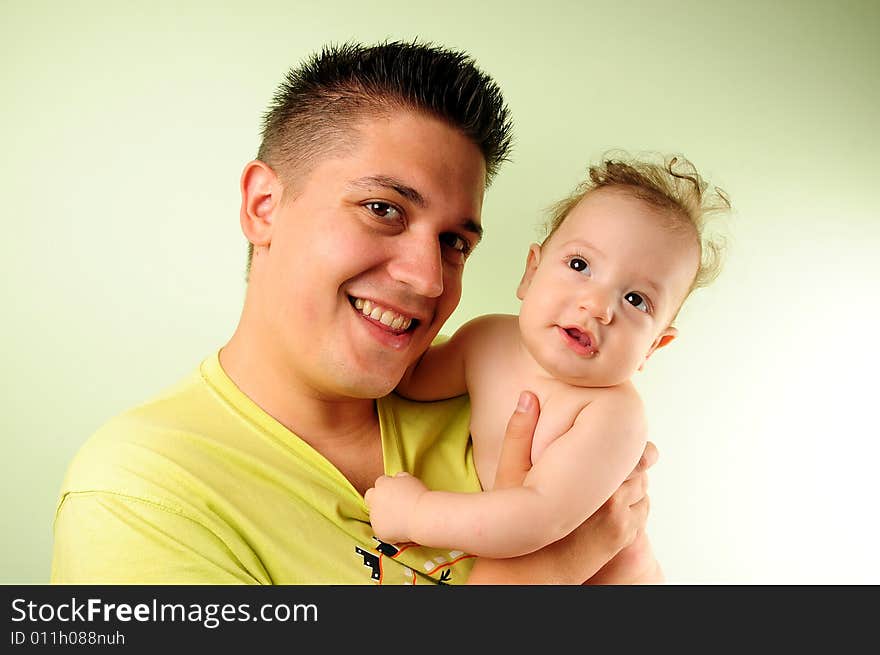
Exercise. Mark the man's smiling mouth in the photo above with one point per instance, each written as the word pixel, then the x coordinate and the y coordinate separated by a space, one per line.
pixel 389 318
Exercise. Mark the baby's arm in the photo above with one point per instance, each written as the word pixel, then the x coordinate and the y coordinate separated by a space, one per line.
pixel 440 372
pixel 575 475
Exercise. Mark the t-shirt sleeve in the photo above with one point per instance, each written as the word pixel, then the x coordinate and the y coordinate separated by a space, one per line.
pixel 107 538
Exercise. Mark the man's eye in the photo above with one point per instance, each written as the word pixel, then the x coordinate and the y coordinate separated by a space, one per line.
pixel 636 301
pixel 383 210
pixel 579 264
pixel 456 242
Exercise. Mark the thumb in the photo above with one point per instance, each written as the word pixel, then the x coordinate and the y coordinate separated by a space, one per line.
pixel 516 451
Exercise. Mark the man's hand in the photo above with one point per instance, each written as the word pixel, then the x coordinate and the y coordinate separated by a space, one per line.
pixel 625 514
pixel 516 450
pixel 613 527
pixel 392 503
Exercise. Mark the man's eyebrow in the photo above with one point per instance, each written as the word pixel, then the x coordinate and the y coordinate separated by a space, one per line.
pixel 390 183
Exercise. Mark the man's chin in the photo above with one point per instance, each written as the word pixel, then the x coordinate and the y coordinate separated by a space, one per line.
pixel 372 383
pixel 371 389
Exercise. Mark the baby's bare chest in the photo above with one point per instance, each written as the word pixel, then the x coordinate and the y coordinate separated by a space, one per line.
pixel 492 407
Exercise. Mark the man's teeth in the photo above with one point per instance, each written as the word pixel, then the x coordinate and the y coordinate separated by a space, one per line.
pixel 385 316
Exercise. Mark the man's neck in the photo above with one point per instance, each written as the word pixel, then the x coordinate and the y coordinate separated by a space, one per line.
pixel 323 421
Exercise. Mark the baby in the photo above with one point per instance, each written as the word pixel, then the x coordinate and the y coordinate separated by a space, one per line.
pixel 599 297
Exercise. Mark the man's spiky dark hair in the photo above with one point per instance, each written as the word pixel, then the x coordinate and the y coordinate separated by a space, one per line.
pixel 320 100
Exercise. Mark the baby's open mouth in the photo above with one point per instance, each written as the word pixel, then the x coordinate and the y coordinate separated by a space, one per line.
pixel 581 337
pixel 580 341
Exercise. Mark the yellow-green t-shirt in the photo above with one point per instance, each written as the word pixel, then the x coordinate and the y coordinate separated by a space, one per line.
pixel 201 486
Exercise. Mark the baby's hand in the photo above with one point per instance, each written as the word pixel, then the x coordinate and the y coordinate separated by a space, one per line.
pixel 392 503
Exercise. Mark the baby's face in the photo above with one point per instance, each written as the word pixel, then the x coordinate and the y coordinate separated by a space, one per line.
pixel 599 296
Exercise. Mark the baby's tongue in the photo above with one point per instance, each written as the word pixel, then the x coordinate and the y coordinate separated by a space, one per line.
pixel 574 333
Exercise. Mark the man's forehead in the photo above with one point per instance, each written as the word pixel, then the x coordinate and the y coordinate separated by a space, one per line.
pixel 419 150
pixel 403 131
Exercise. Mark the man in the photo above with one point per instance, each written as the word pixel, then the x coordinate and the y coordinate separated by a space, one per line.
pixel 361 209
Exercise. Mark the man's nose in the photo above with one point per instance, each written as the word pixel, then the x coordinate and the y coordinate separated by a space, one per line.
pixel 418 263
pixel 597 302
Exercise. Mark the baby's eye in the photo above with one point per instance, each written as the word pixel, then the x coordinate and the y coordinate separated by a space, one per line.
pixel 456 242
pixel 579 264
pixel 636 301
pixel 383 210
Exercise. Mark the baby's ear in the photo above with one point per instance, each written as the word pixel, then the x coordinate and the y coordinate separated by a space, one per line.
pixel 663 339
pixel 532 261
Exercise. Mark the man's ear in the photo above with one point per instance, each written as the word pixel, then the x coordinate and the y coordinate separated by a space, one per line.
pixel 261 192
pixel 663 339
pixel 532 261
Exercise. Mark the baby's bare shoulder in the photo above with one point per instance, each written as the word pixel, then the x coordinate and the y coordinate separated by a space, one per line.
pixel 622 401
pixel 491 329
pixel 490 323
pixel 625 392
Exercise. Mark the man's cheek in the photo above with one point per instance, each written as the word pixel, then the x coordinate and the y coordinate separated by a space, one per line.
pixel 452 288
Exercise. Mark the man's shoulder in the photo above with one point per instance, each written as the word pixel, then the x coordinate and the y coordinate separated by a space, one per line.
pixel 136 502
pixel 115 457
pixel 168 409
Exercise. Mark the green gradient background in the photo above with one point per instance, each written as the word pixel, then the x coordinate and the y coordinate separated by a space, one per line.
pixel 125 127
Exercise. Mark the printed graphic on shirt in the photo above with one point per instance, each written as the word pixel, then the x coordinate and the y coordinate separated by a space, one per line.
pixel 438 566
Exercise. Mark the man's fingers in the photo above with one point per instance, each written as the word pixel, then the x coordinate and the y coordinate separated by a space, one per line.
pixel 641 510
pixel 516 451
pixel 632 490
pixel 649 457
